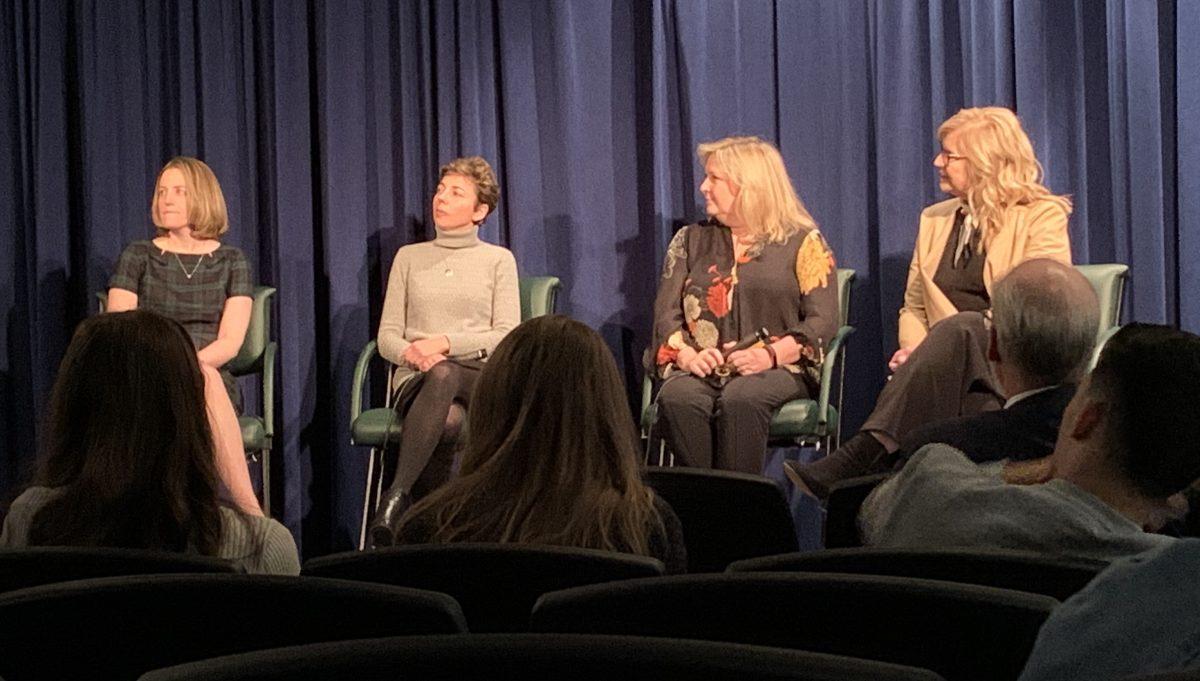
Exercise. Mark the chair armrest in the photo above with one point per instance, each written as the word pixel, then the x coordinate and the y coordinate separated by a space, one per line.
pixel 832 355
pixel 647 391
pixel 268 388
pixel 360 377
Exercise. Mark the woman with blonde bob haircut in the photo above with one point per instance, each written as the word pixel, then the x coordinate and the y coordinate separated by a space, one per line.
pixel 999 215
pixel 758 263
pixel 551 456
pixel 186 274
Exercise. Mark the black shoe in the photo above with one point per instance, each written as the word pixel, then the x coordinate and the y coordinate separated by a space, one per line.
pixel 861 455
pixel 393 505
pixel 802 481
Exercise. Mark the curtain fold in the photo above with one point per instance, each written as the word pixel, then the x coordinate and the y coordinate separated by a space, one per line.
pixel 326 123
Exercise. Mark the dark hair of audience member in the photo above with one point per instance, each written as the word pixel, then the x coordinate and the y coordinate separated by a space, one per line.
pixel 1149 376
pixel 128 442
pixel 551 454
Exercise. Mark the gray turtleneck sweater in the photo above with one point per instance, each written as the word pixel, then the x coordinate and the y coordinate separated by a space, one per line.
pixel 454 286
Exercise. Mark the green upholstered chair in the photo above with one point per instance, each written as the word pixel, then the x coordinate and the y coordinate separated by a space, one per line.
pixel 1100 341
pixel 257 356
pixel 1109 281
pixel 379 426
pixel 802 421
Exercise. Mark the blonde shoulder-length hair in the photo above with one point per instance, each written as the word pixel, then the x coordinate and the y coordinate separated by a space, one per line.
pixel 1002 171
pixel 766 200
pixel 206 204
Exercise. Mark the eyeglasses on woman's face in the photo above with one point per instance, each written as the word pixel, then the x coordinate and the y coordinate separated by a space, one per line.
pixel 946 156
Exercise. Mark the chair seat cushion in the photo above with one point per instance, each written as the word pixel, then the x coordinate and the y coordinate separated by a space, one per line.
pixel 795 419
pixel 254 433
pixel 799 417
pixel 373 426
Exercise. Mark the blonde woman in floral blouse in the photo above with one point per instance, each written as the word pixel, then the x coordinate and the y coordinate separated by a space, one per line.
pixel 759 262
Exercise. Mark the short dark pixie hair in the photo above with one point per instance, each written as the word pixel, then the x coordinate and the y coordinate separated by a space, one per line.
pixel 478 171
pixel 1150 377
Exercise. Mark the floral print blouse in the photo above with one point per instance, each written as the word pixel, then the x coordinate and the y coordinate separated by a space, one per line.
pixel 706 298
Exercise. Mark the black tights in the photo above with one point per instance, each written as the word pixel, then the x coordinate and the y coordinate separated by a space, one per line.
pixel 431 427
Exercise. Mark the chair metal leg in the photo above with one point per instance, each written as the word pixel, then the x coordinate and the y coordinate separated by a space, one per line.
pixel 368 507
pixel 266 481
pixel 662 458
pixel 837 441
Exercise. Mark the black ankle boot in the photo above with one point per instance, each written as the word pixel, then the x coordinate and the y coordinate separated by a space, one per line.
pixel 392 505
pixel 861 455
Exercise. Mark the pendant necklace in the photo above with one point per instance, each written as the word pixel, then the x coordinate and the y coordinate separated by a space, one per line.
pixel 185 270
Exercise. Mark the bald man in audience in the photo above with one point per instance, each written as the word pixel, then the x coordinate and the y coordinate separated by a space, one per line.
pixel 1044 321
pixel 1129 440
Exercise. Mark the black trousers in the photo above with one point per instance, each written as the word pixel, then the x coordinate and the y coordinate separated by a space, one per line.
pixel 724 428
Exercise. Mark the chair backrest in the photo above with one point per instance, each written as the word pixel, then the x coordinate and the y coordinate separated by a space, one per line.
pixel 1052 576
pixel 961 631
pixel 539 296
pixel 846 497
pixel 1109 282
pixel 34 566
pixel 845 279
pixel 1101 340
pixel 496 584
pixel 1178 675
pixel 536 656
pixel 258 334
pixel 119 627
pixel 726 516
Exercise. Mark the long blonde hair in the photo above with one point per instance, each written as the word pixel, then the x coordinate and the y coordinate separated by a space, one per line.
pixel 551 454
pixel 1002 172
pixel 766 201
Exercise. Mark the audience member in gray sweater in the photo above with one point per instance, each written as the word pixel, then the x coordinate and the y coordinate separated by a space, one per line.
pixel 1129 441
pixel 129 459
pixel 449 302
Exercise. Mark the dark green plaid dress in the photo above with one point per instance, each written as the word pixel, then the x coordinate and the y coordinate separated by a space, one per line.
pixel 160 280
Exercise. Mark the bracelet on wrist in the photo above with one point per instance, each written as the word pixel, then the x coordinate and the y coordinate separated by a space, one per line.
pixel 774 358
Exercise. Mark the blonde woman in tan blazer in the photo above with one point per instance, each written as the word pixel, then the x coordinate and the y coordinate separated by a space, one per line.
pixel 999 216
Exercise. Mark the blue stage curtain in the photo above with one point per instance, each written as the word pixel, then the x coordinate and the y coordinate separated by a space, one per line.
pixel 326 122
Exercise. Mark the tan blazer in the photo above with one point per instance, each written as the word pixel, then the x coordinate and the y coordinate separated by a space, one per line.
pixel 1036 230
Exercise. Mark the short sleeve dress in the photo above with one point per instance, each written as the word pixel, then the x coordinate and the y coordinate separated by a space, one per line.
pixel 191 289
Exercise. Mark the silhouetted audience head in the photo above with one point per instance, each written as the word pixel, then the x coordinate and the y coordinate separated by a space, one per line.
pixel 1135 414
pixel 128 442
pixel 551 454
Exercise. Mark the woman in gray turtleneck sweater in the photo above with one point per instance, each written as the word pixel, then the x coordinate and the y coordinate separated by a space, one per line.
pixel 447 299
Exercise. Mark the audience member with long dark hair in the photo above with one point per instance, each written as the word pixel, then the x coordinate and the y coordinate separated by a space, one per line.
pixel 128 458
pixel 551 455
